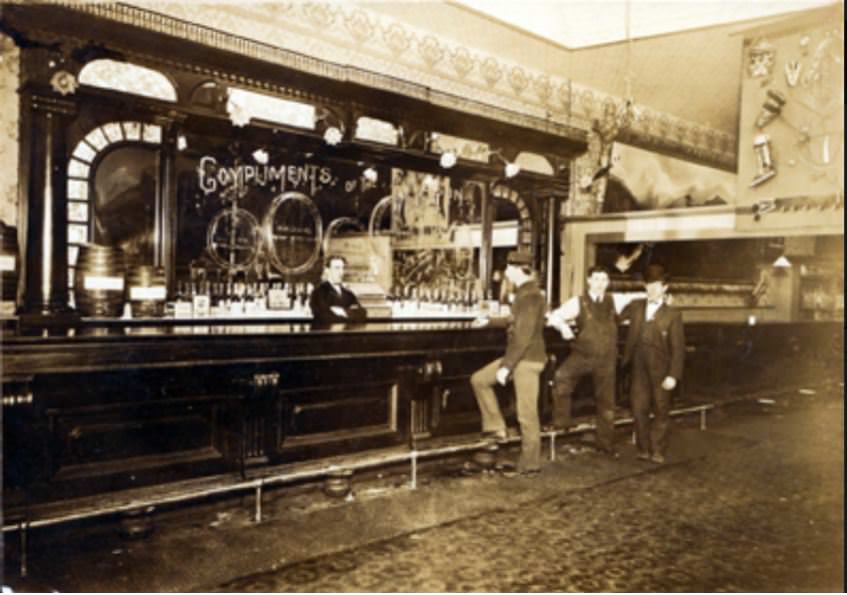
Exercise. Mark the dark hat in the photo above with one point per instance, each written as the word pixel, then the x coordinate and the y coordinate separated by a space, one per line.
pixel 655 272
pixel 519 258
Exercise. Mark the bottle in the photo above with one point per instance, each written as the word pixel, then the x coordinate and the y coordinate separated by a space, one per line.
pixel 202 301
pixel 292 296
pixel 182 305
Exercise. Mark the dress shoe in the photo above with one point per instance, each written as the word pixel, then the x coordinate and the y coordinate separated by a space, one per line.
pixel 657 458
pixel 496 436
pixel 643 456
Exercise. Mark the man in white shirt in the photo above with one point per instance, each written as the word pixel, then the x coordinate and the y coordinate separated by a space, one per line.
pixel 593 352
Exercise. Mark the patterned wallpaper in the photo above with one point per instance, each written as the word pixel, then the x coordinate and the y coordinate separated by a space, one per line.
pixel 9 61
pixel 419 60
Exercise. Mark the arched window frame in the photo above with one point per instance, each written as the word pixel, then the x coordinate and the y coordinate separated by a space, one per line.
pixel 82 167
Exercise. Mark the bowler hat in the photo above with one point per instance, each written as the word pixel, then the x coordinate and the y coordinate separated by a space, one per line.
pixel 655 272
pixel 519 258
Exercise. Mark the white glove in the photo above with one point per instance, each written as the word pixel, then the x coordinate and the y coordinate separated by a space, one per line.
pixel 339 311
pixel 669 383
pixel 503 376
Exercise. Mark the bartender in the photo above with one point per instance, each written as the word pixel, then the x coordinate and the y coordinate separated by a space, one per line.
pixel 331 302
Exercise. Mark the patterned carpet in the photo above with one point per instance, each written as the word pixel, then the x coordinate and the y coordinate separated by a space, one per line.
pixel 764 516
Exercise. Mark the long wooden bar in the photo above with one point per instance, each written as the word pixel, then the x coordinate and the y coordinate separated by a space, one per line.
pixel 114 407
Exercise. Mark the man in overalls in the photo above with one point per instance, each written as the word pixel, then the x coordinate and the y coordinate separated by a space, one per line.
pixel 593 352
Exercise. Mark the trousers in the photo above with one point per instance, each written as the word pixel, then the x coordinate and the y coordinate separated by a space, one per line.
pixel 645 394
pixel 525 377
pixel 603 372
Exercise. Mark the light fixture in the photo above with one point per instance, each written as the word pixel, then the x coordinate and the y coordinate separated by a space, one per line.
pixel 511 168
pixel 619 116
pixel 238 112
pixel 260 156
pixel 448 159
pixel 333 135
pixel 181 142
pixel 332 126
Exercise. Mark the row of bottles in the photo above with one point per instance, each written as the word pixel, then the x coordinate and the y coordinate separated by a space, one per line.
pixel 454 298
pixel 225 299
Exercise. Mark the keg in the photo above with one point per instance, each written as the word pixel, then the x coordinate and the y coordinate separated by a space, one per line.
pixel 9 263
pixel 99 281
pixel 146 291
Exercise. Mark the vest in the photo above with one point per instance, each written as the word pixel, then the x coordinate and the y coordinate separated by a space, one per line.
pixel 598 328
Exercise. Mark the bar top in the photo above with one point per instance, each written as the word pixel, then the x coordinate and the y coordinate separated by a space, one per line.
pixel 115 331
pixel 112 347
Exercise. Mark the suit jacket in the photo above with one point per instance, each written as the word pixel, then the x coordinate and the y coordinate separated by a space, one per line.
pixel 663 345
pixel 324 297
pixel 526 327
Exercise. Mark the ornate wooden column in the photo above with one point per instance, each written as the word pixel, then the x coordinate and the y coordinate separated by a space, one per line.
pixel 44 182
pixel 166 202
pixel 486 247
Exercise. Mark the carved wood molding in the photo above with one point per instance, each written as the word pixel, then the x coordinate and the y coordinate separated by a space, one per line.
pixel 394 57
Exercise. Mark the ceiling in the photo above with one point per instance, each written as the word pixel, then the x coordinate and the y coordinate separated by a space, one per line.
pixel 582 23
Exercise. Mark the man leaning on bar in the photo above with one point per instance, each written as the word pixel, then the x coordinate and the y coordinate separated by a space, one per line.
pixel 523 362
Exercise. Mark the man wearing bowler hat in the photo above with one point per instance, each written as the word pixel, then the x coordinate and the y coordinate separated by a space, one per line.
pixel 523 362
pixel 655 348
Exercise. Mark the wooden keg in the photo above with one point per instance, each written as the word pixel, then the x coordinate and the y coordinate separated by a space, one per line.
pixel 9 263
pixel 99 281
pixel 146 291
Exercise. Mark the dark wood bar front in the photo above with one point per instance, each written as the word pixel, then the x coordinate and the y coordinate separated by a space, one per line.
pixel 114 407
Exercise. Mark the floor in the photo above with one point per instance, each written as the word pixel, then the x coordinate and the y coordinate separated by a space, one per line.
pixel 755 503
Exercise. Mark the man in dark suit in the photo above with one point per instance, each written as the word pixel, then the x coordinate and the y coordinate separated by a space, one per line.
pixel 655 348
pixel 330 301
pixel 523 361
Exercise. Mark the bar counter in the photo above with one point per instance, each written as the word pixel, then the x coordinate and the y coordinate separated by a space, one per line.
pixel 101 406
pixel 110 406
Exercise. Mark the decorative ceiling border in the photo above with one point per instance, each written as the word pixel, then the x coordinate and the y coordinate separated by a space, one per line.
pixel 327 39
